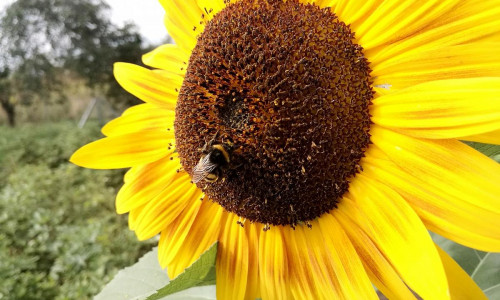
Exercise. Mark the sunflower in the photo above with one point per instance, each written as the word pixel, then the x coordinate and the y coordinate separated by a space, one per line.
pixel 317 142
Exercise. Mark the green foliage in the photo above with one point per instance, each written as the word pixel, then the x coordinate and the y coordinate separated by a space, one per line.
pixel 146 276
pixel 483 267
pixel 60 237
pixel 200 273
pixel 137 281
pixel 492 151
pixel 50 145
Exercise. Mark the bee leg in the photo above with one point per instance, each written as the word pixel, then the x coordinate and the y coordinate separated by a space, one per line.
pixel 237 166
pixel 208 144
pixel 212 141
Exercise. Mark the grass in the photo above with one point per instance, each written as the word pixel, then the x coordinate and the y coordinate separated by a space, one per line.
pixel 60 237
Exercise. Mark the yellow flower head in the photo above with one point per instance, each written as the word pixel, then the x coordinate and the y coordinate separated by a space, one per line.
pixel 322 138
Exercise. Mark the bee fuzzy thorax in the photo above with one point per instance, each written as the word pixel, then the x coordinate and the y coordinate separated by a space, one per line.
pixel 222 150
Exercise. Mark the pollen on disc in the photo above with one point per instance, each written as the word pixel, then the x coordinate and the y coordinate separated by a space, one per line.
pixel 285 84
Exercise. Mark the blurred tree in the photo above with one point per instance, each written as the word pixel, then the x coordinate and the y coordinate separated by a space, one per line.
pixel 5 101
pixel 41 38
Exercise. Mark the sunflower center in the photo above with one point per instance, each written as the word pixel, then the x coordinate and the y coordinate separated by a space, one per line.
pixel 283 90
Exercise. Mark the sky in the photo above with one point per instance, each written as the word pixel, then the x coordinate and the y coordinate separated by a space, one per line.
pixel 146 14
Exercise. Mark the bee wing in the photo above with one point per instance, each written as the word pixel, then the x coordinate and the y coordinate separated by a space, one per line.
pixel 203 168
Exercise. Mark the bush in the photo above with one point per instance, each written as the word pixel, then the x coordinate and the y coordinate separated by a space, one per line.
pixel 49 144
pixel 60 237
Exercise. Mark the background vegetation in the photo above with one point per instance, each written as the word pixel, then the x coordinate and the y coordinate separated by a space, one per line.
pixel 43 42
pixel 60 237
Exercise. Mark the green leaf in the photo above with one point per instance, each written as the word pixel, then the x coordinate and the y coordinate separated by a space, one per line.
pixel 137 281
pixel 487 275
pixel 483 267
pixel 200 273
pixel 206 292
pixel 144 278
pixel 492 151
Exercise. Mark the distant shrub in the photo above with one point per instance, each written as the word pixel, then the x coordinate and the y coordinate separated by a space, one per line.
pixel 49 144
pixel 59 235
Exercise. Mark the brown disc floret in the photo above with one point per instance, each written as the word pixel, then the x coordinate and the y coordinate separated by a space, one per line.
pixel 286 89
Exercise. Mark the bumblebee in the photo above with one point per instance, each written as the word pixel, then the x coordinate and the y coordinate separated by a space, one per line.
pixel 214 159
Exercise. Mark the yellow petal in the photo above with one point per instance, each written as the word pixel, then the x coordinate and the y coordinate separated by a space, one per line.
pixel 273 265
pixel 253 231
pixel 232 261
pixel 344 260
pixel 123 151
pixel 381 91
pixel 182 20
pixel 132 216
pixel 446 164
pixel 202 234
pixel 130 173
pixel 396 20
pixel 398 232
pixel 162 210
pixel 172 238
pixel 325 3
pixel 442 109
pixel 147 181
pixel 442 205
pixel 210 7
pixel 156 87
pixel 452 131
pixel 462 287
pixel 179 34
pixel 380 271
pixel 168 57
pixel 303 274
pixel 141 117
pixel 468 21
pixel 324 264
pixel 460 61
pixel 353 12
pixel 492 137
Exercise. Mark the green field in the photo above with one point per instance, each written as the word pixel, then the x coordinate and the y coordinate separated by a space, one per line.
pixel 60 237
